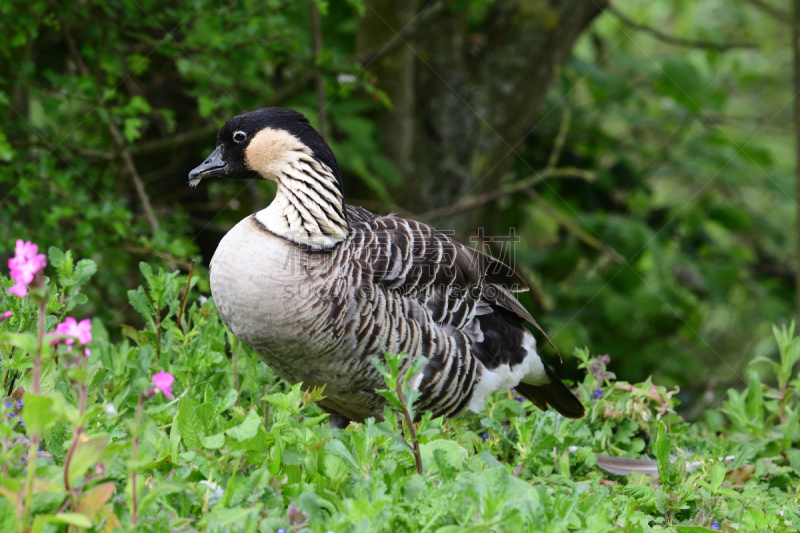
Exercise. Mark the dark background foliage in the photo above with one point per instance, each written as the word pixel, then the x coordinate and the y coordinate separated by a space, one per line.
pixel 641 151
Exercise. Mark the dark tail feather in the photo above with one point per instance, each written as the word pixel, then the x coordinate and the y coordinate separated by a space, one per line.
pixel 555 394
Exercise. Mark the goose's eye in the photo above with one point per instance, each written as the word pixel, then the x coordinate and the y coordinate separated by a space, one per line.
pixel 239 136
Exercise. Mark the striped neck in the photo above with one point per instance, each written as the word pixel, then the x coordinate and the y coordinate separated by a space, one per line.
pixel 308 208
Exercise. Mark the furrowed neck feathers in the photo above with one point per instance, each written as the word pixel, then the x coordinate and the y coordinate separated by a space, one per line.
pixel 308 208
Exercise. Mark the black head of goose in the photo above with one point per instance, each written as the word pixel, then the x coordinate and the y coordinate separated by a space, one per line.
pixel 318 288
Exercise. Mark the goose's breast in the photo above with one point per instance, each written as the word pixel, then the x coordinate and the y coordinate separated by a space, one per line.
pixel 261 288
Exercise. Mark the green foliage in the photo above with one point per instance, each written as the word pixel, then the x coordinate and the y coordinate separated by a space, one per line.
pixel 690 148
pixel 239 450
pixel 680 252
pixel 152 71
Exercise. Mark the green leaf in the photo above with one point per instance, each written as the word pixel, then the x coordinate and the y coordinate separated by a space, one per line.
pixel 27 342
pixel 278 399
pixel 132 128
pixel 450 529
pixel 139 301
pixel 69 519
pixel 680 81
pixel 337 448
pixel 229 400
pixel 87 453
pixel 666 470
pixel 84 270
pixel 94 499
pixel 213 442
pixel 189 424
pixel 257 443
pixel 564 464
pixel 205 105
pixel 38 413
pixel 175 439
pixel 717 476
pixel 755 400
pixel 61 262
pixel 276 458
pixel 293 457
pixel 454 455
pixel 247 429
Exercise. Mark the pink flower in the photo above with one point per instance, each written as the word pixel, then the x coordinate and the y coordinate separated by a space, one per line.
pixel 24 266
pixel 18 289
pixel 78 330
pixel 5 316
pixel 163 382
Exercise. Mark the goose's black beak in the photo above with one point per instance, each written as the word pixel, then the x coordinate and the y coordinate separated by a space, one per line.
pixel 212 166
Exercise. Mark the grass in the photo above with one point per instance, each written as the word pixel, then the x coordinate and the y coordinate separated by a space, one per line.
pixel 239 450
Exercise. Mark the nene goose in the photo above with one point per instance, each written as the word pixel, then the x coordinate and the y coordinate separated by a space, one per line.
pixel 319 288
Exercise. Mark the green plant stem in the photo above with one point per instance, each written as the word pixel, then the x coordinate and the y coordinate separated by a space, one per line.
pixel 158 330
pixel 82 398
pixel 185 293
pixel 29 482
pixel 67 462
pixel 208 492
pixel 5 375
pixel 37 360
pixel 412 432
pixel 37 373
pixel 135 511
pixel 235 362
pixel 782 403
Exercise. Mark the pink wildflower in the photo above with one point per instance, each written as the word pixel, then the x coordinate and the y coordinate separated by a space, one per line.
pixel 75 330
pixel 18 289
pixel 5 316
pixel 163 382
pixel 24 266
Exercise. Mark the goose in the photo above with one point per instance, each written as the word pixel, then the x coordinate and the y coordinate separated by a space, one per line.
pixel 318 288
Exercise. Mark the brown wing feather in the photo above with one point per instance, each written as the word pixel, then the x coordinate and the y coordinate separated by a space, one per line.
pixel 449 279
pixel 411 256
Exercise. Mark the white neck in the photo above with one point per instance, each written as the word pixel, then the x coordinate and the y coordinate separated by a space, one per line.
pixel 308 208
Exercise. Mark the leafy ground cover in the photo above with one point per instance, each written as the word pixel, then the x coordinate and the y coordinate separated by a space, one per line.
pixel 178 427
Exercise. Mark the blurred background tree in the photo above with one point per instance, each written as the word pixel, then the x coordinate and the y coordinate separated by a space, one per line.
pixel 642 151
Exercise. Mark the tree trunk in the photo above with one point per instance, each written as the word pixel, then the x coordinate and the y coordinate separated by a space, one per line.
pixel 379 28
pixel 476 92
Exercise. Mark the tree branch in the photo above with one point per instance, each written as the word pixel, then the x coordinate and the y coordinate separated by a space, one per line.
pixel 691 43
pixel 483 199
pixel 400 38
pixel 203 132
pixel 771 10
pixel 178 140
pixel 558 144
pixel 575 228
pixel 125 153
